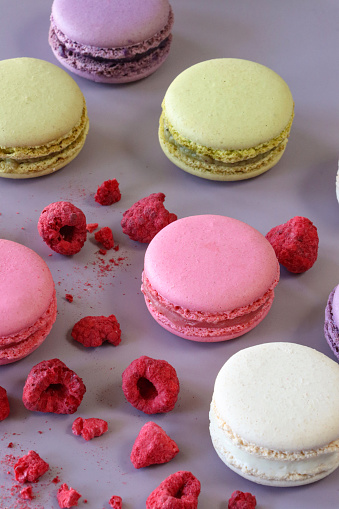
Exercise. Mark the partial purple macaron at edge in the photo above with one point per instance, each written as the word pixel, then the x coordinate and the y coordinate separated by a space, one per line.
pixel 111 41
pixel 331 327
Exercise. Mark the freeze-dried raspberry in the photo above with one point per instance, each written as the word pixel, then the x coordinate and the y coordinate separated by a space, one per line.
pixel 115 502
pixel 67 497
pixel 94 330
pixel 30 467
pixel 4 404
pixel 152 446
pixel 151 385
pixel 105 237
pixel 27 493
pixel 241 500
pixel 295 244
pixel 146 218
pixel 52 387
pixel 108 192
pixel 90 227
pixel 178 491
pixel 63 227
pixel 89 428
pixel 69 297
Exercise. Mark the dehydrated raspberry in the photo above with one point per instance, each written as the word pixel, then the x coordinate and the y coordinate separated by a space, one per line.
pixel 146 218
pixel 94 330
pixel 295 244
pixel 90 227
pixel 89 428
pixel 4 404
pixel 27 493
pixel 241 500
pixel 30 467
pixel 52 387
pixel 178 491
pixel 151 385
pixel 108 192
pixel 67 497
pixel 69 297
pixel 62 226
pixel 105 237
pixel 152 446
pixel 115 502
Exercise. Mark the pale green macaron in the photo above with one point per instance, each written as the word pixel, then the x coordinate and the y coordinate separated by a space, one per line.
pixel 226 119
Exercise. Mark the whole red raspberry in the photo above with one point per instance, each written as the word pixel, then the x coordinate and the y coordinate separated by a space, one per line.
pixel 4 404
pixel 178 491
pixel 241 500
pixel 152 446
pixel 108 193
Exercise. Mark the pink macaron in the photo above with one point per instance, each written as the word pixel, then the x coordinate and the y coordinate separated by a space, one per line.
pixel 28 304
pixel 112 41
pixel 209 277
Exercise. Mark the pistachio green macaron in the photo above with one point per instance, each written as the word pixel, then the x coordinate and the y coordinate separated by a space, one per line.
pixel 226 119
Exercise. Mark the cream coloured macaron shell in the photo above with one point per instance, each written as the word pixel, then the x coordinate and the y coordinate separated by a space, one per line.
pixel 275 414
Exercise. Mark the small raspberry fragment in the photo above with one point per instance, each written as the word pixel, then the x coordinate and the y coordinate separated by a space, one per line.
pixel 108 193
pixel 69 297
pixel 89 428
pixel 241 500
pixel 4 404
pixel 62 226
pixel 295 244
pixel 178 491
pixel 146 218
pixel 105 237
pixel 94 330
pixel 52 387
pixel 27 493
pixel 151 385
pixel 152 446
pixel 67 497
pixel 30 467
pixel 90 227
pixel 115 502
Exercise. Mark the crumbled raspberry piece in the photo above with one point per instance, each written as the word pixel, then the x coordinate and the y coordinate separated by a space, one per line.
pixel 67 497
pixel 105 237
pixel 4 404
pixel 62 226
pixel 108 193
pixel 115 502
pixel 151 385
pixel 152 446
pixel 94 330
pixel 30 467
pixel 146 218
pixel 241 500
pixel 295 244
pixel 52 387
pixel 90 227
pixel 69 297
pixel 178 491
pixel 89 428
pixel 27 493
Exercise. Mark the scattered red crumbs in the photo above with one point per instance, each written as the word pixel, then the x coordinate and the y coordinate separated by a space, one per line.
pixel 90 227
pixel 105 237
pixel 115 502
pixel 92 331
pixel 146 218
pixel 152 446
pixel 52 387
pixel 56 480
pixel 69 297
pixel 295 244
pixel 27 493
pixel 10 445
pixel 30 467
pixel 89 428
pixel 108 193
pixel 241 500
pixel 67 497
pixel 4 404
pixel 180 491
pixel 62 226
pixel 151 385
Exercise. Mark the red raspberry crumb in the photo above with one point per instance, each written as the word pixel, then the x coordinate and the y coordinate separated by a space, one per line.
pixel 295 244
pixel 241 500
pixel 69 297
pixel 52 387
pixel 30 467
pixel 178 491
pixel 115 502
pixel 146 218
pixel 89 428
pixel 152 446
pixel 94 330
pixel 67 497
pixel 105 237
pixel 27 493
pixel 151 385
pixel 4 404
pixel 90 227
pixel 108 193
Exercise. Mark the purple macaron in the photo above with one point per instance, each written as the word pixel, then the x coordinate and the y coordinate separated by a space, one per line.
pixel 111 41
pixel 331 326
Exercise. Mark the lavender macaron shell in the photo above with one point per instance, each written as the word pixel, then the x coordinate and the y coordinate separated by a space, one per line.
pixel 331 329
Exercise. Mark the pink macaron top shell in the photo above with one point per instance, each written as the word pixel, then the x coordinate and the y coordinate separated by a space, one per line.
pixel 26 287
pixel 211 264
pixel 110 23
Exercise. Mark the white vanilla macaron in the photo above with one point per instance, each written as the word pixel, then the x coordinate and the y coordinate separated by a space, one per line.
pixel 274 416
